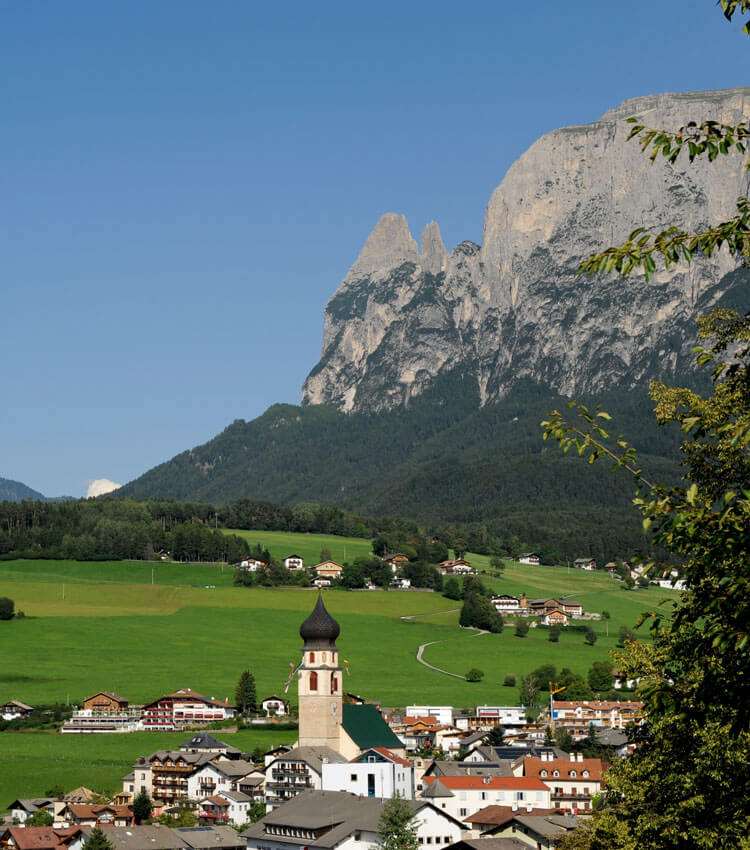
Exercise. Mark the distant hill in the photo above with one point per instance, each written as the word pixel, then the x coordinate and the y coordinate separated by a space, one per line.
pixel 441 460
pixel 14 491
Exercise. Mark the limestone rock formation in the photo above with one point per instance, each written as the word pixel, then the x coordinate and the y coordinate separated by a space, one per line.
pixel 516 307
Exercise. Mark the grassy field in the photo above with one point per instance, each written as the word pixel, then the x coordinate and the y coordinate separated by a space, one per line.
pixel 114 630
pixel 281 544
pixel 30 763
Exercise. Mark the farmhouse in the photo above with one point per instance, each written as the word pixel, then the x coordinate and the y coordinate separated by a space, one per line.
pixel 105 702
pixel 529 558
pixel 295 563
pixel 454 568
pixel 86 814
pixel 505 604
pixel 24 807
pixel 576 715
pixel 584 564
pixel 252 564
pixel 14 709
pixel 273 705
pixel 328 569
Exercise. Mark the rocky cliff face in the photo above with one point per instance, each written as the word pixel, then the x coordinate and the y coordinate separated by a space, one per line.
pixel 515 307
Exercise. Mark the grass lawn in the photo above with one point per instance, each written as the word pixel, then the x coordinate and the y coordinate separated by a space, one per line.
pixel 283 543
pixel 31 763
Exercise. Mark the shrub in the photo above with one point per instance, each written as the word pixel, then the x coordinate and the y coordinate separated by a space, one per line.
pixel 7 607
pixel 522 628
pixel 509 681
pixel 475 675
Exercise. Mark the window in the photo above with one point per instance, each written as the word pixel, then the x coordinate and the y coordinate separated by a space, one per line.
pixel 447 839
pixel 420 840
pixel 483 795
pixel 555 773
pixel 585 774
pixel 313 681
pixel 463 812
pixel 312 657
pixel 334 685
pixel 353 777
pixel 429 839
pixel 542 772
pixel 573 774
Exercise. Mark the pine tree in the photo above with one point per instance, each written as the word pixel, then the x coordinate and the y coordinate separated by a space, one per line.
pixel 245 695
pixel 142 806
pixel 97 840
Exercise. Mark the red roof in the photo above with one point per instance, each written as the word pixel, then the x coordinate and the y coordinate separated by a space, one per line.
pixel 391 756
pixel 482 783
pixel 428 721
pixel 35 837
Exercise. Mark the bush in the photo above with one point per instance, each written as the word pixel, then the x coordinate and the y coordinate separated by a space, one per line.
pixel 590 636
pixel 554 634
pixel 7 607
pixel 522 628
pixel 475 675
pixel 509 681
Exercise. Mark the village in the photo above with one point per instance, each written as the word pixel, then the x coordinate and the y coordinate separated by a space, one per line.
pixel 497 772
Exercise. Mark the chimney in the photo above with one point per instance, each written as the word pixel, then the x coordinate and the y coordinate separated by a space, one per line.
pixel 514 807
pixel 580 756
pixel 522 601
pixel 572 756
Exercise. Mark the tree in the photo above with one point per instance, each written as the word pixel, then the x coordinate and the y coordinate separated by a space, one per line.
pixel 685 784
pixel 543 675
pixel 325 554
pixel 452 589
pixel 97 840
pixel 509 681
pixel 564 739
pixel 245 695
pixel 142 806
pixel 475 675
pixel 590 636
pixel 522 629
pixel 529 695
pixel 495 737
pixel 497 564
pixel 554 634
pixel 624 635
pixel 600 676
pixel 397 829
pixel 7 607
pixel 41 817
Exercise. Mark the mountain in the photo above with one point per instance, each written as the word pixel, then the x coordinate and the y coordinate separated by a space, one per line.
pixel 515 307
pixel 437 366
pixel 14 491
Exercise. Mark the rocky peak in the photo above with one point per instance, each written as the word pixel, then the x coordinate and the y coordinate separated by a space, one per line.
pixel 389 245
pixel 516 307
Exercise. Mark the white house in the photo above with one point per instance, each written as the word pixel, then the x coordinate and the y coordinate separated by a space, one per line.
pixel 462 796
pixel 14 709
pixel 277 706
pixel 529 558
pixel 294 563
pixel 503 715
pixel 572 781
pixel 442 713
pixel 252 564
pixel 377 772
pixel 506 604
pixel 333 819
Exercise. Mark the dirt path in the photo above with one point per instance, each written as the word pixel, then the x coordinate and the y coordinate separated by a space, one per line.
pixel 424 646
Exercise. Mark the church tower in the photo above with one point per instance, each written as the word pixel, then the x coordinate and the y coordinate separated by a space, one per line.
pixel 320 681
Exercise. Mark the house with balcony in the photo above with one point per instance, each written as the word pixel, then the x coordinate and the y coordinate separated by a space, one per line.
pixel 274 706
pixel 15 710
pixel 377 772
pixel 300 769
pixel 184 707
pixel 295 563
pixel 572 781
pixel 577 715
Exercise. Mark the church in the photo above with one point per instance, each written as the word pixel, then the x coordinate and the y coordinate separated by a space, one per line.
pixel 324 719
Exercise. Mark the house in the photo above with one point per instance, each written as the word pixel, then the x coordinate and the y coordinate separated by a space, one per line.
pixel 184 707
pixel 328 569
pixel 295 563
pixel 486 822
pixel 572 608
pixel 273 705
pixel 539 831
pixel 13 710
pixel 555 617
pixel 529 558
pixel 584 564
pixel 506 604
pixel 300 769
pixel 104 711
pixel 577 715
pixel 207 838
pixel 455 568
pixel 203 742
pixel 228 807
pixel 252 564
pixel 144 837
pixel 320 582
pixel 461 796
pixel 105 702
pixel 414 733
pixel 217 776
pixel 37 837
pixel 88 814
pixel 573 781
pixel 395 560
pixel 334 819
pixel 377 772
pixel 400 583
pixel 24 807
pixel 165 773
pixel 501 715
pixel 442 713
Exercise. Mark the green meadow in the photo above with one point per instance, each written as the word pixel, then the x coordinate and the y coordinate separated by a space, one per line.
pixel 281 544
pixel 30 764
pixel 105 626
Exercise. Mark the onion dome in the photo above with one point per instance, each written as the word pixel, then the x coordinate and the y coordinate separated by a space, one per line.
pixel 320 630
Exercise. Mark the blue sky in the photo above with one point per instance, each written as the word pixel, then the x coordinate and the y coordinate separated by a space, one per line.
pixel 184 185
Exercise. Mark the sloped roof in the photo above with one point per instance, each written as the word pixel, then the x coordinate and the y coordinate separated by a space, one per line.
pixel 34 837
pixel 205 741
pixel 204 837
pixel 498 815
pixel 534 767
pixel 437 789
pixel 364 724
pixel 311 756
pixel 144 837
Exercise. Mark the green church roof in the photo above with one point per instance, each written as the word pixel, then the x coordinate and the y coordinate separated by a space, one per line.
pixel 365 726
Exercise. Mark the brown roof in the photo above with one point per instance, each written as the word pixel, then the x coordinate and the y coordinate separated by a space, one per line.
pixel 498 815
pixel 534 766
pixel 86 810
pixel 34 837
